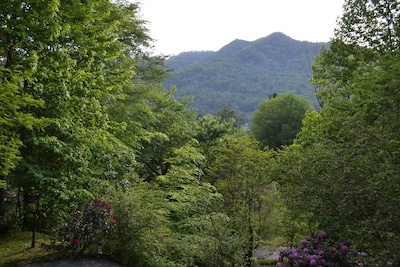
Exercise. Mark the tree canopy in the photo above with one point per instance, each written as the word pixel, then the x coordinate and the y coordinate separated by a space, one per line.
pixel 278 119
pixel 343 174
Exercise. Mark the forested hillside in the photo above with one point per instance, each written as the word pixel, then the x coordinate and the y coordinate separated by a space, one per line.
pixel 243 73
pixel 98 158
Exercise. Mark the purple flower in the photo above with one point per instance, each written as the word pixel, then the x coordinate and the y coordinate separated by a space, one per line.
pixel 343 247
pixel 313 262
pixel 312 257
pixel 306 250
pixel 293 255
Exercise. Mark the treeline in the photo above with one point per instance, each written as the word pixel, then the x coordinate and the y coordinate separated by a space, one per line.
pixel 98 155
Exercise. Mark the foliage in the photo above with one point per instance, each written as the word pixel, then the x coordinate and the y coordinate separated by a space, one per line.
pixel 143 235
pixel 249 198
pixel 343 165
pixel 277 120
pixel 370 24
pixel 86 231
pixel 73 67
pixel 319 251
pixel 210 241
pixel 225 113
pixel 85 114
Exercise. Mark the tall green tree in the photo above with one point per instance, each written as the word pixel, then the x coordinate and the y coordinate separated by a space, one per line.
pixel 277 120
pixel 343 174
pixel 78 55
pixel 16 68
pixel 240 175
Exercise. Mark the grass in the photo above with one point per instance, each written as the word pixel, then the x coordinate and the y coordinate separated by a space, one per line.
pixel 16 251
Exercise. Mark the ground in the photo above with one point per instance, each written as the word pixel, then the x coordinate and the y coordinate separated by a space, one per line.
pixel 76 263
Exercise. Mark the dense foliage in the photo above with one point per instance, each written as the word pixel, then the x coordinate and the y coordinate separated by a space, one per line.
pixel 84 116
pixel 345 161
pixel 278 119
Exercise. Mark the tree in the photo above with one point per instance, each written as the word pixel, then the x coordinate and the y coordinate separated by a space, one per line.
pixel 226 113
pixel 277 120
pixel 371 24
pixel 17 23
pixel 343 174
pixel 76 58
pixel 240 175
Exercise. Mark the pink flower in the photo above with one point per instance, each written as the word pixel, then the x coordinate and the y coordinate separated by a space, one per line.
pixel 96 201
pixel 113 221
pixel 76 241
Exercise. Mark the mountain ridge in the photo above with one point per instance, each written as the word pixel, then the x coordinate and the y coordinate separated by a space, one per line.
pixel 242 73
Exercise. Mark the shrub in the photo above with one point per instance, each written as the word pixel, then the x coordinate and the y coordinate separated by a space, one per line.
pixel 86 231
pixel 317 251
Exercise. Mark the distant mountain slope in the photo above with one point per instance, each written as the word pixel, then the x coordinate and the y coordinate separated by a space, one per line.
pixel 242 73
pixel 188 58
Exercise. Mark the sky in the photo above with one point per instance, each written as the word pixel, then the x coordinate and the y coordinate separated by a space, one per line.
pixel 198 25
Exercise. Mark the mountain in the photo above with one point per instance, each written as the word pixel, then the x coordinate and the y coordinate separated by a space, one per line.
pixel 242 73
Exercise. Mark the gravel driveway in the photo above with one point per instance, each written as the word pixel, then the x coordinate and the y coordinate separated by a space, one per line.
pixel 76 263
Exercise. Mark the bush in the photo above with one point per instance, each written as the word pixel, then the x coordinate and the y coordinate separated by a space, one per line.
pixel 86 231
pixel 317 251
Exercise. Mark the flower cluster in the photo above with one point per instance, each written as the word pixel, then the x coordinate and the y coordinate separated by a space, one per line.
pixel 86 229
pixel 316 251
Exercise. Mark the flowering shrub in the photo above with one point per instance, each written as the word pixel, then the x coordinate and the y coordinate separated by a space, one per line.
pixel 317 251
pixel 86 230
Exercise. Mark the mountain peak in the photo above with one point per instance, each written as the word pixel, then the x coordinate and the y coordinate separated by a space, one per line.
pixel 242 73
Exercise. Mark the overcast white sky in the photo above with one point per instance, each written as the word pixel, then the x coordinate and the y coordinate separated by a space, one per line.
pixel 190 25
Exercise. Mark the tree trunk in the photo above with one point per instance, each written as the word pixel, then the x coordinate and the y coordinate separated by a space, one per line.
pixel 35 221
pixel 249 252
pixel 2 202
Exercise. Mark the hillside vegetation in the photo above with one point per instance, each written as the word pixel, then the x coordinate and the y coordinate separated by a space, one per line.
pixel 243 73
pixel 97 158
